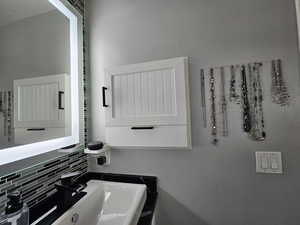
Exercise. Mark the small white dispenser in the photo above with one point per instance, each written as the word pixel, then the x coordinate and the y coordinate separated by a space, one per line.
pixel 100 152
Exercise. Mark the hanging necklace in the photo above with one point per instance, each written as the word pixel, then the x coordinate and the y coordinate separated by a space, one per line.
pixel 1 101
pixel 233 96
pixel 245 101
pixel 203 101
pixel 252 100
pixel 4 102
pixel 279 91
pixel 262 133
pixel 223 104
pixel 213 107
pixel 9 115
pixel 257 132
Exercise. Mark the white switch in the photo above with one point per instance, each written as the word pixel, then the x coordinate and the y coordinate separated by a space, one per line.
pixel 268 162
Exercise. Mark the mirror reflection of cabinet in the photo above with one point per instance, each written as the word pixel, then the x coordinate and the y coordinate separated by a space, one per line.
pixel 41 108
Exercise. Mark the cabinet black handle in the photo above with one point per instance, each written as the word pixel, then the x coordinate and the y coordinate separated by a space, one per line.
pixel 36 129
pixel 142 128
pixel 104 97
pixel 60 94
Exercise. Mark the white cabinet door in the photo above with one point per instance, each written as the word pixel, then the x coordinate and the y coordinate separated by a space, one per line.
pixel 147 94
pixel 40 102
pixel 147 105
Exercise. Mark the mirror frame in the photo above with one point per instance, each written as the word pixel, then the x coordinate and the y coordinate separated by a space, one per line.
pixel 9 155
pixel 297 5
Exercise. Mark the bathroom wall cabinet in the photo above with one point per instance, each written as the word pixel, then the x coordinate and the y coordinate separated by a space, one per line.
pixel 40 108
pixel 147 104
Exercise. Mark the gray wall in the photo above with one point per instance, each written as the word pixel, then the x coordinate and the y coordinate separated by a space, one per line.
pixel 35 46
pixel 208 185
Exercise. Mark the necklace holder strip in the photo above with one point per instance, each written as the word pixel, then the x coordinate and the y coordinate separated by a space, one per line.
pixel 248 92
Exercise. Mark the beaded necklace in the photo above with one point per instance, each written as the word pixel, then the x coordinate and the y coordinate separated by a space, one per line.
pixel 213 108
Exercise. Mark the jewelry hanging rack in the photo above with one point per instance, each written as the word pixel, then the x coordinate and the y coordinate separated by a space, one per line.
pixel 251 103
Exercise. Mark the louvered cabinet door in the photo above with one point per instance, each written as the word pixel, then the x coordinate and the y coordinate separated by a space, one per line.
pixel 39 102
pixel 147 96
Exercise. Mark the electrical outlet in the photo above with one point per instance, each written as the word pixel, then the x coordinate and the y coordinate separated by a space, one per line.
pixel 269 162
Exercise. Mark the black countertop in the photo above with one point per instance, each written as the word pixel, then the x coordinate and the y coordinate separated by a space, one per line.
pixel 147 214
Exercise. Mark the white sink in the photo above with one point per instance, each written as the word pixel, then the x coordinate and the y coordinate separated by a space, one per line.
pixel 107 203
pixel 123 203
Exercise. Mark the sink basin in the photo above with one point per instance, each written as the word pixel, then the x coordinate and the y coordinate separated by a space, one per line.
pixel 106 203
pixel 123 203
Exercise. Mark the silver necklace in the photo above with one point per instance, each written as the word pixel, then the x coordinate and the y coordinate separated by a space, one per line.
pixel 9 116
pixel 279 91
pixel 257 131
pixel 233 96
pixel 245 101
pixel 262 133
pixel 223 104
pixel 1 101
pixel 252 102
pixel 4 102
pixel 213 116
pixel 203 101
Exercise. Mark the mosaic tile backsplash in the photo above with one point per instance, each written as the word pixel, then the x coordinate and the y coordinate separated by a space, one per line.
pixel 38 182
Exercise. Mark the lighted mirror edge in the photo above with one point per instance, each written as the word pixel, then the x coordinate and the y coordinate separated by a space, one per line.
pixel 297 5
pixel 9 155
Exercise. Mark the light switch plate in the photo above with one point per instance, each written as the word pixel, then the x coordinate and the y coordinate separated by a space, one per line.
pixel 269 162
